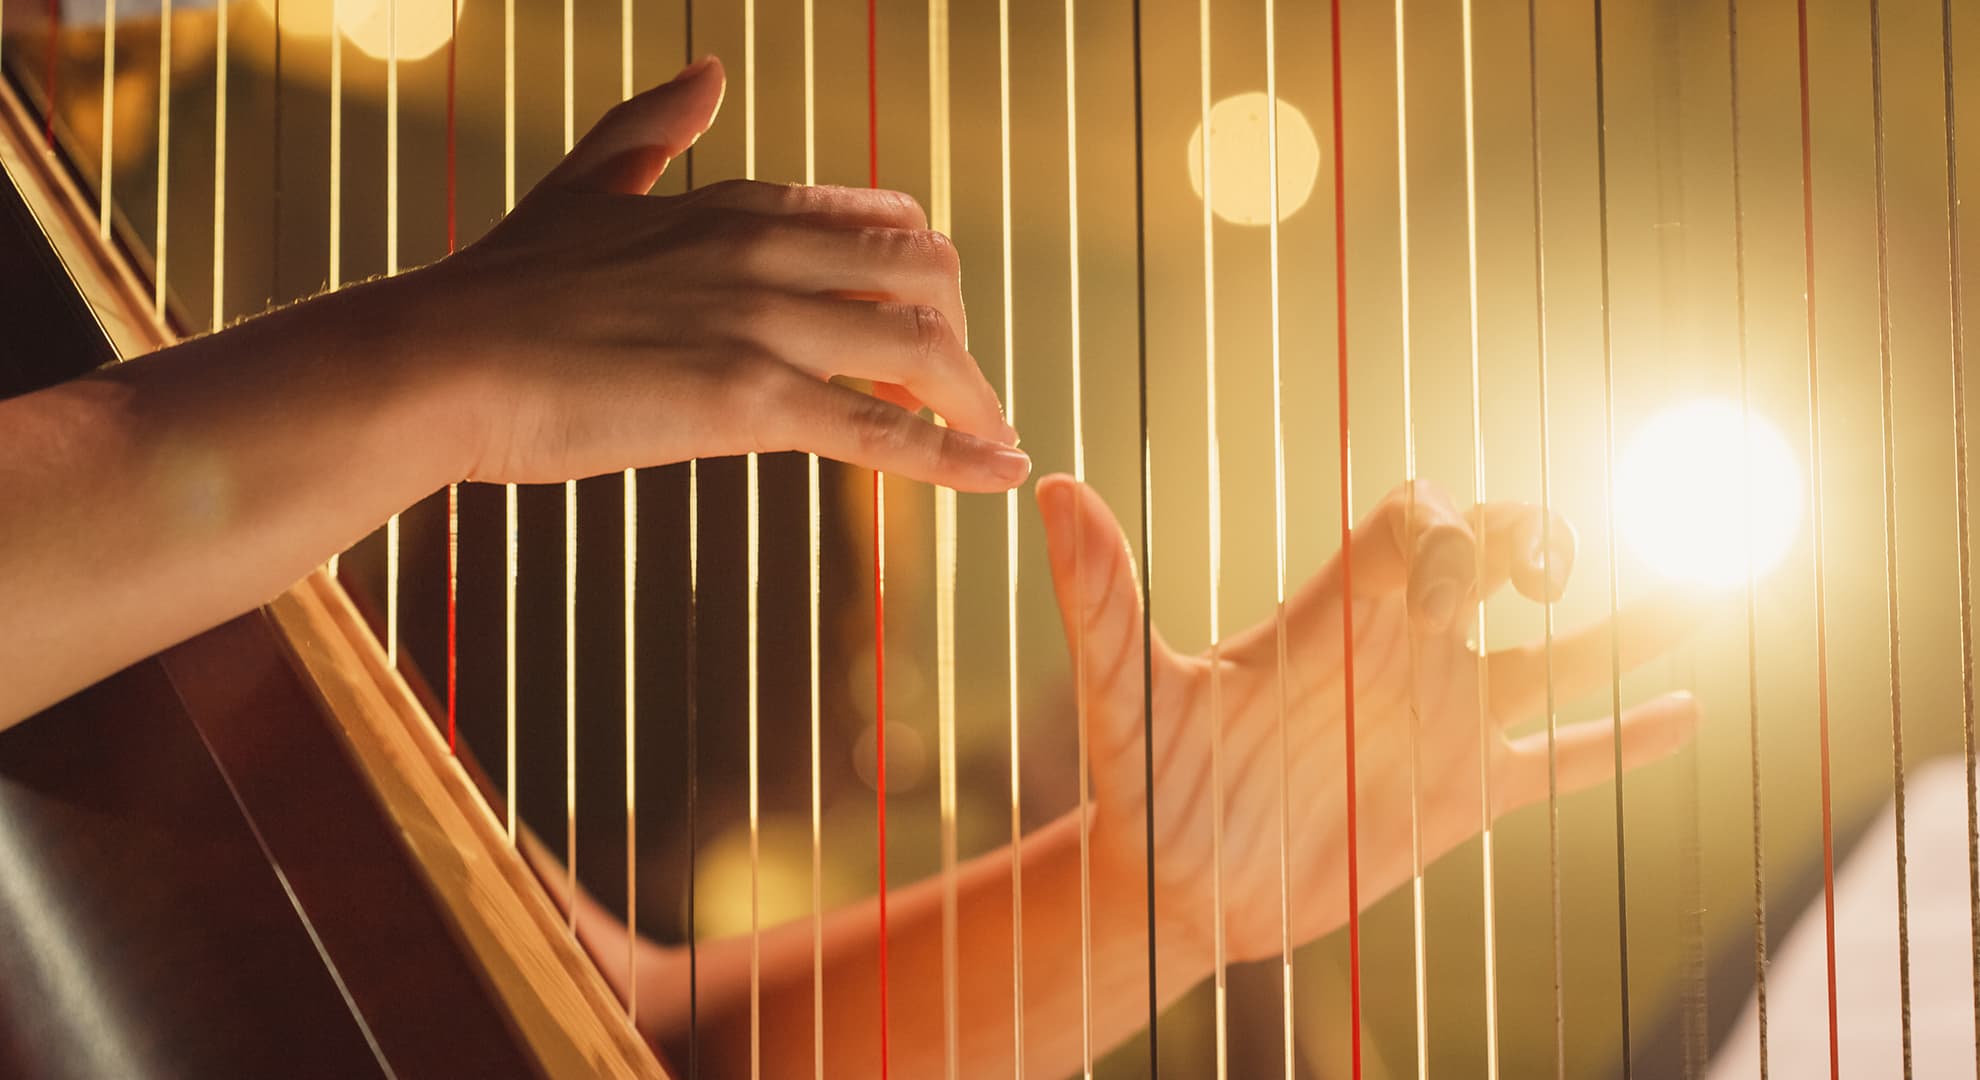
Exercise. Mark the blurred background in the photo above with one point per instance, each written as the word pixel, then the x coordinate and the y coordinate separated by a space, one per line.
pixel 1689 825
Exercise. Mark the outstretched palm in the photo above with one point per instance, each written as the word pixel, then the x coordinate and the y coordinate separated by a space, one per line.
pixel 1422 698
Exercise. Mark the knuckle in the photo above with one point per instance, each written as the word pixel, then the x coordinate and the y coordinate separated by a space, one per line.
pixel 927 332
pixel 881 430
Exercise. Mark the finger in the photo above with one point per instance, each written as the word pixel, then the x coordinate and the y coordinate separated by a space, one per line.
pixel 905 265
pixel 1094 578
pixel 1522 545
pixel 1585 753
pixel 804 413
pixel 910 345
pixel 627 150
pixel 1589 658
pixel 897 395
pixel 1414 540
pixel 846 207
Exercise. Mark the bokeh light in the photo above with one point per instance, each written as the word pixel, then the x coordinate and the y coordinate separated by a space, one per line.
pixel 1695 481
pixel 1239 153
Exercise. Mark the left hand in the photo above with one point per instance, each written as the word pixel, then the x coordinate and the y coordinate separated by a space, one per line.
pixel 1416 575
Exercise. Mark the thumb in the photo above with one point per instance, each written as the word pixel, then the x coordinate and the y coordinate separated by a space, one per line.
pixel 1099 600
pixel 627 150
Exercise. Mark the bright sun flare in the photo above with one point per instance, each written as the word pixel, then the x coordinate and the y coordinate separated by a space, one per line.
pixel 1686 494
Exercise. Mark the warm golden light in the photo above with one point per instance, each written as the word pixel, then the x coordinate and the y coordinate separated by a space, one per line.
pixel 1240 150
pixel 1698 477
pixel 424 25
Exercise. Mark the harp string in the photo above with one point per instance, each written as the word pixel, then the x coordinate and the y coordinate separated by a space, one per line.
pixel 163 206
pixel 879 562
pixel 1485 725
pixel 1419 937
pixel 1609 509
pixel 812 564
pixel 219 165
pixel 691 664
pixel 1961 523
pixel 391 267
pixel 1147 604
pixel 104 172
pixel 753 554
pixel 1279 629
pixel 1339 104
pixel 630 550
pixel 1214 515
pixel 570 541
pixel 1080 631
pixel 1546 541
pixel 49 56
pixel 1752 590
pixel 511 510
pixel 940 213
pixel 1815 519
pixel 1890 518
pixel 453 489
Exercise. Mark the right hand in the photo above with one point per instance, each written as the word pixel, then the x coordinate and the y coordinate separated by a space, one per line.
pixel 598 327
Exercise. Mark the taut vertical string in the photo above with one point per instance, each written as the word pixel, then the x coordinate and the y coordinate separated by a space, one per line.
pixel 812 553
pixel 1347 546
pixel 1147 595
pixel 1279 629
pixel 1752 590
pixel 879 558
pixel 1890 519
pixel 1011 536
pixel 1546 542
pixel 453 489
pixel 1815 518
pixel 629 546
pixel 1609 507
pixel 1214 545
pixel 391 267
pixel 163 206
pixel 691 665
pixel 753 556
pixel 103 174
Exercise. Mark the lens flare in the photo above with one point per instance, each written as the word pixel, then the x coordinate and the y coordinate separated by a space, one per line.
pixel 1698 479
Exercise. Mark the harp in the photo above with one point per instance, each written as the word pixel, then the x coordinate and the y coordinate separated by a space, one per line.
pixel 1501 246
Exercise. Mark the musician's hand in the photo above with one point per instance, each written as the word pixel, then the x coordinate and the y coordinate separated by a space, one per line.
pixel 1415 581
pixel 600 327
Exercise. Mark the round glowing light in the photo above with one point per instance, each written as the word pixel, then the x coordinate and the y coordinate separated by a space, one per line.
pixel 1701 496
pixel 1239 157
pixel 424 25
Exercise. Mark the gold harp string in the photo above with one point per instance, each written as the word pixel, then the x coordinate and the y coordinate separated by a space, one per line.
pixel 1956 324
pixel 391 267
pixel 1890 518
pixel 941 213
pixel 813 539
pixel 1752 588
pixel 1418 934
pixel 631 552
pixel 1011 541
pixel 1815 520
pixel 104 172
pixel 1609 508
pixel 1486 732
pixel 1546 542
pixel 336 171
pixel 511 511
pixel 570 542
pixel 163 206
pixel 1147 580
pixel 1279 628
pixel 220 167
pixel 1214 518
pixel 753 554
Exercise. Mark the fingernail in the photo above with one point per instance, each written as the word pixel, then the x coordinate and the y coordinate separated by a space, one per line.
pixel 694 69
pixel 1439 603
pixel 1010 438
pixel 1010 465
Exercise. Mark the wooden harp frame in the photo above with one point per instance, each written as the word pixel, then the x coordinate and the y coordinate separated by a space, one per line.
pixel 455 956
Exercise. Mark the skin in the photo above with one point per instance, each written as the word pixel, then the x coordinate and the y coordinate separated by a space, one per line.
pixel 599 328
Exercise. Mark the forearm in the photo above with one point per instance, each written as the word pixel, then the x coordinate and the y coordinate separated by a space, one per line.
pixel 984 973
pixel 154 499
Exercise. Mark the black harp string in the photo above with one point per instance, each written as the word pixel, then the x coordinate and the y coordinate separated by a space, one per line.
pixel 1752 589
pixel 1890 518
pixel 1546 541
pixel 1147 536
pixel 1961 524
pixel 1609 507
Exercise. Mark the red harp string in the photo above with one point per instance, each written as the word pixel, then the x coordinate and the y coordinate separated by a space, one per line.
pixel 453 490
pixel 879 558
pixel 1347 553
